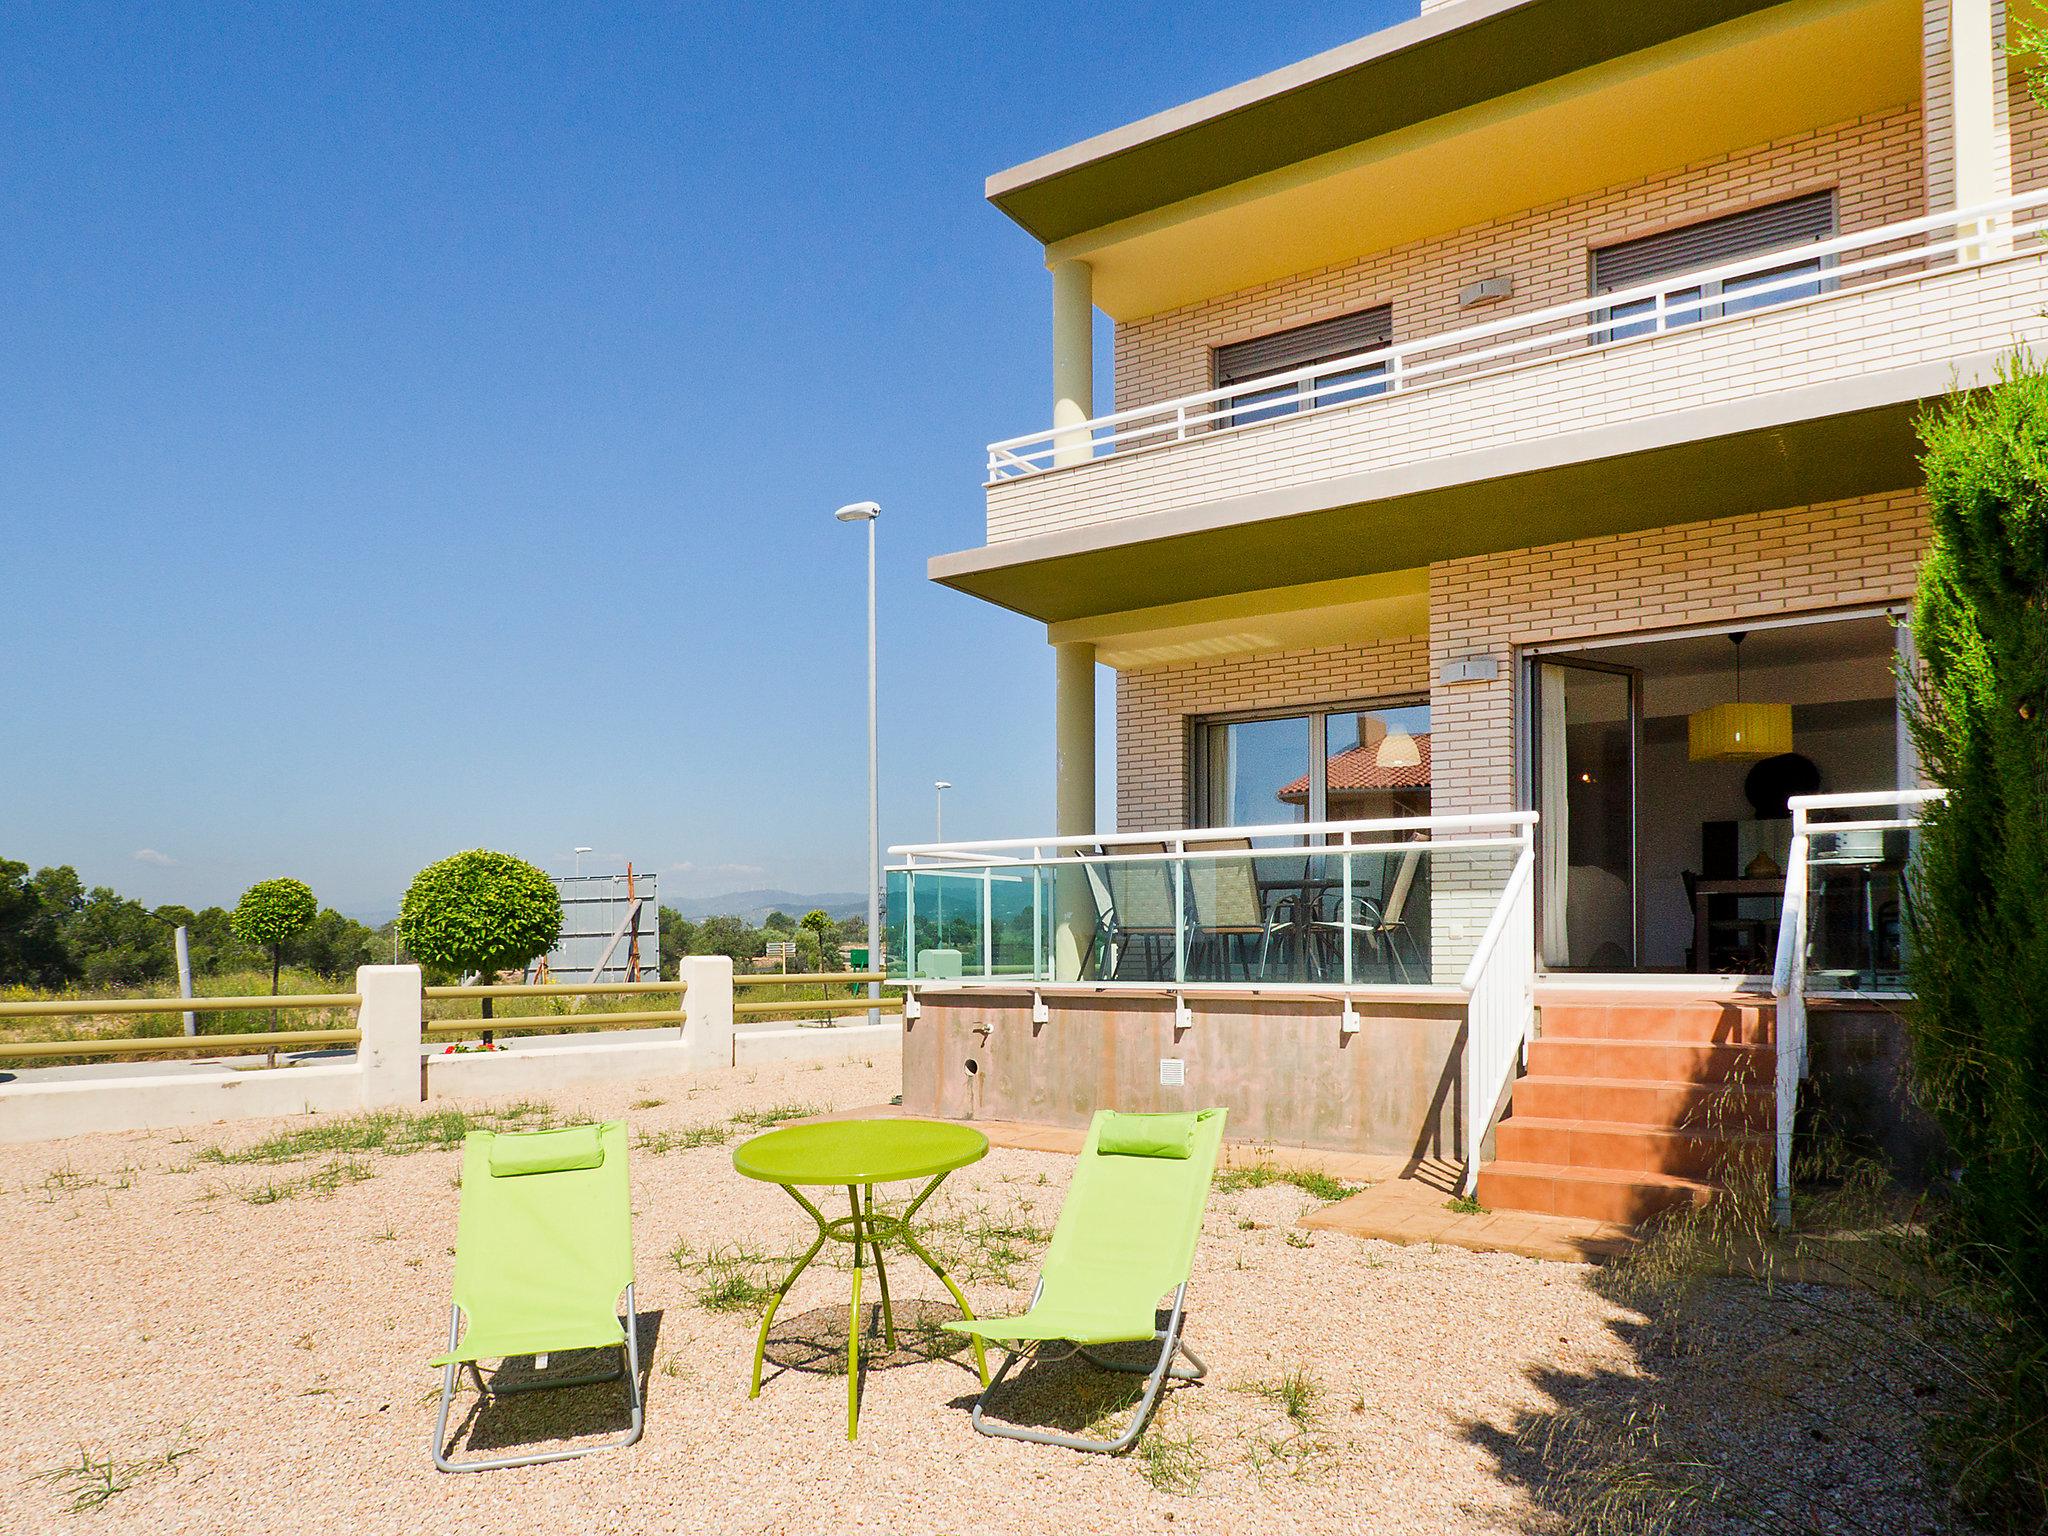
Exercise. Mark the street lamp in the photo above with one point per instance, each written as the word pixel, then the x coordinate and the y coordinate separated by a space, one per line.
pixel 579 861
pixel 867 512
pixel 939 788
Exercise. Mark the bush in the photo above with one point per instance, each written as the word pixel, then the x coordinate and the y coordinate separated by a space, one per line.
pixel 269 913
pixel 1978 907
pixel 480 911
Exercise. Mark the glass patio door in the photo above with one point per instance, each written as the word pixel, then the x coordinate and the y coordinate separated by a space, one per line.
pixel 1587 737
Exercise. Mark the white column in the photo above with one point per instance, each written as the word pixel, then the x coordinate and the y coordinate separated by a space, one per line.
pixel 1073 359
pixel 707 1006
pixel 1968 130
pixel 390 1019
pixel 1073 797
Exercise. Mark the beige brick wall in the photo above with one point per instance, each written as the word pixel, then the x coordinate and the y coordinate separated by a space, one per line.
pixel 1153 708
pixel 1875 162
pixel 1808 559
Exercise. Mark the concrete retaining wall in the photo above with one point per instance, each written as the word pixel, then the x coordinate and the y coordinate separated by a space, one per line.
pixel 1284 1068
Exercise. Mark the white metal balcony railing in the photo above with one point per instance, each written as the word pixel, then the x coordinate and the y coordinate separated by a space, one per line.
pixel 1318 907
pixel 1935 244
pixel 1858 857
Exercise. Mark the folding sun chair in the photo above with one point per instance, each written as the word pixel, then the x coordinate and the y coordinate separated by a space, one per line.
pixel 544 1245
pixel 1125 1238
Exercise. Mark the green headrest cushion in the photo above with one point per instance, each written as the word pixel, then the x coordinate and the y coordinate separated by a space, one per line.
pixel 1168 1135
pixel 517 1152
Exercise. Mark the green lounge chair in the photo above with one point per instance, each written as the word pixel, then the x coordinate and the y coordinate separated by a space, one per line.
pixel 1125 1238
pixel 543 1246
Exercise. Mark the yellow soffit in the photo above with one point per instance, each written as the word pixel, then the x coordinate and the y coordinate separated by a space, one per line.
pixel 1362 610
pixel 1779 72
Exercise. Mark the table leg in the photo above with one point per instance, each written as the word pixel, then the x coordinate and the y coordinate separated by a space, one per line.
pixel 802 1264
pixel 853 1328
pixel 980 1355
pixel 881 1274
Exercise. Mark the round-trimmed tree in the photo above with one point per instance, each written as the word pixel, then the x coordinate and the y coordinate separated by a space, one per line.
pixel 480 911
pixel 269 913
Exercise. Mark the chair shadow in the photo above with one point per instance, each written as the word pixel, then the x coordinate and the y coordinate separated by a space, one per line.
pixel 528 1419
pixel 1071 1396
pixel 814 1342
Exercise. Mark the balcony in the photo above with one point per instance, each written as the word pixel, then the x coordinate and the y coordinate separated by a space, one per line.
pixel 1327 908
pixel 1603 376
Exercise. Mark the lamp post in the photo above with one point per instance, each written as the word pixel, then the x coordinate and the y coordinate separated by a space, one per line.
pixel 579 861
pixel 939 788
pixel 867 512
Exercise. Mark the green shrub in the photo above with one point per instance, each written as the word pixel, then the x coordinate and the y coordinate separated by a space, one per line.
pixel 269 913
pixel 1978 907
pixel 480 911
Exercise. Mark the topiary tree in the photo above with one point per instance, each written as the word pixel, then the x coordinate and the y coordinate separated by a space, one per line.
pixel 1978 905
pixel 480 911
pixel 271 912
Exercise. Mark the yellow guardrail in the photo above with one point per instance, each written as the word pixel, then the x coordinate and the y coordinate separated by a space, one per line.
pixel 809 978
pixel 180 1004
pixel 163 1045
pixel 532 1021
pixel 558 989
pixel 816 1005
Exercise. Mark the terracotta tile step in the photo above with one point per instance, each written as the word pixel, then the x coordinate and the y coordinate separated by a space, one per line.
pixel 1653 1060
pixel 1552 1189
pixel 1626 1148
pixel 1702 1107
pixel 1689 1023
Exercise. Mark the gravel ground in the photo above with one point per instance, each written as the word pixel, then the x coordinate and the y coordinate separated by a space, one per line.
pixel 240 1347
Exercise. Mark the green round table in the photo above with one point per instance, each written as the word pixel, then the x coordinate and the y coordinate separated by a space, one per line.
pixel 856 1155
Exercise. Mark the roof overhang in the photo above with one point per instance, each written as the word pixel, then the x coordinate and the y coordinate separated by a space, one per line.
pixel 1793 448
pixel 1456 57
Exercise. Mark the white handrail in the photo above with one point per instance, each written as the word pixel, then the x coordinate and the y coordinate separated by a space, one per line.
pixel 1788 974
pixel 1500 1007
pixel 1463 822
pixel 1984 232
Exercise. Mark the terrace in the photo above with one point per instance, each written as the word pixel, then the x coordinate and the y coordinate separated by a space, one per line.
pixel 179 1384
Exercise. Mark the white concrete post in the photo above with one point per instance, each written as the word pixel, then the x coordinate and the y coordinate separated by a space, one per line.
pixel 1073 360
pixel 1969 134
pixel 707 1005
pixel 389 1056
pixel 1073 798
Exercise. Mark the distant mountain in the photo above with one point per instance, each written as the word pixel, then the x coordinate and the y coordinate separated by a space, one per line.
pixel 754 906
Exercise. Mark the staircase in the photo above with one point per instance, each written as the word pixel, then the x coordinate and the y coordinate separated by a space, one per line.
pixel 1635 1103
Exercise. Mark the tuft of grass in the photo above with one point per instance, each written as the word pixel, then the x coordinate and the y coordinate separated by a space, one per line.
pixel 1297 1394
pixel 1467 1205
pixel 92 1481
pixel 984 1246
pixel 776 1114
pixel 733 1278
pixel 1172 1463
pixel 390 1131
pixel 324 1180
pixel 658 1142
pixel 649 1103
pixel 1310 1181
pixel 1300 1240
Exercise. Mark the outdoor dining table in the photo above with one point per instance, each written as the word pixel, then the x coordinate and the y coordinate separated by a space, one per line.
pixel 856 1155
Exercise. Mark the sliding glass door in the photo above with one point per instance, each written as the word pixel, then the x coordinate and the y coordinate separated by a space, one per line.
pixel 1587 736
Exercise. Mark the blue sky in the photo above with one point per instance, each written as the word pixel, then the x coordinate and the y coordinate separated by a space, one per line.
pixel 420 425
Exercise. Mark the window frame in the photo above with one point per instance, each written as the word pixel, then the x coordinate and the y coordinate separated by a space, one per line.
pixel 1710 301
pixel 1299 397
pixel 1318 715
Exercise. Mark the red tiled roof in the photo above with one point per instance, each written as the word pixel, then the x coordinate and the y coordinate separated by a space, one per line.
pixel 1359 769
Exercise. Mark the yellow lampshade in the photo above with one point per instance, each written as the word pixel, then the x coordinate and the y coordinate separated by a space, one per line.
pixel 1397 749
pixel 1738 732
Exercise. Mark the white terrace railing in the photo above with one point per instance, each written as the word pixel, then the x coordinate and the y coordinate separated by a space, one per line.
pixel 1500 1013
pixel 1940 242
pixel 1836 853
pixel 1319 906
